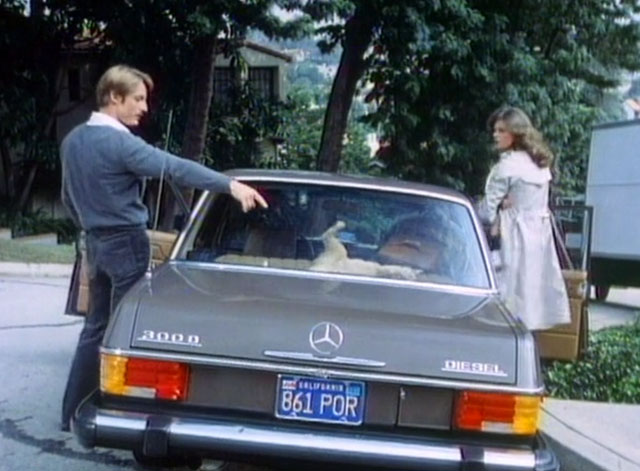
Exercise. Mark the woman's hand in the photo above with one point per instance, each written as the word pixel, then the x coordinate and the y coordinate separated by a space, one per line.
pixel 506 202
pixel 248 197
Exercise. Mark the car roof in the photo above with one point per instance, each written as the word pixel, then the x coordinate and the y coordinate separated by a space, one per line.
pixel 347 180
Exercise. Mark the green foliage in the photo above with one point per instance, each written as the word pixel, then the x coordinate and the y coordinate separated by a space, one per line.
pixel 609 371
pixel 435 90
pixel 31 47
pixel 238 127
pixel 301 128
pixel 38 223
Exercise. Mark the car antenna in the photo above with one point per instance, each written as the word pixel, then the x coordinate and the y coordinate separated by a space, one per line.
pixel 159 197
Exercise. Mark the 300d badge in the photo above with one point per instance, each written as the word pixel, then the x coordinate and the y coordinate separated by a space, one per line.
pixel 175 338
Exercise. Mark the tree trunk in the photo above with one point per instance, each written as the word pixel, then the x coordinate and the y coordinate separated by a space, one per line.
pixel 195 133
pixel 358 36
pixel 25 193
pixel 6 170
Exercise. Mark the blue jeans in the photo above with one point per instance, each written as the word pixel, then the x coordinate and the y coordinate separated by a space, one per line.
pixel 117 258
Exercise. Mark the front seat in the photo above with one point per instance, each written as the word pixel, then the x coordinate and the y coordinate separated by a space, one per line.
pixel 272 243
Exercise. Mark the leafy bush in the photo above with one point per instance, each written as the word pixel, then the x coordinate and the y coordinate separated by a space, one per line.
pixel 608 372
pixel 38 223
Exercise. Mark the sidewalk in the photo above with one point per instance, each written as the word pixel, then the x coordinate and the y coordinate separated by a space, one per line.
pixel 596 436
pixel 586 436
pixel 56 270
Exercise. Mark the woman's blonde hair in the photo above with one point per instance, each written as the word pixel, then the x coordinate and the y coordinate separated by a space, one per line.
pixel 525 136
pixel 122 80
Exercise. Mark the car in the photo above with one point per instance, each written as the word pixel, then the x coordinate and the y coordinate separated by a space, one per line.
pixel 354 322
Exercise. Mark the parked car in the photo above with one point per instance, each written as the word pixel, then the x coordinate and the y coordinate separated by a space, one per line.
pixel 355 321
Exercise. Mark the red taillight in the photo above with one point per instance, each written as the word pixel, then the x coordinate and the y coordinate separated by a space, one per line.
pixel 169 379
pixel 144 378
pixel 501 413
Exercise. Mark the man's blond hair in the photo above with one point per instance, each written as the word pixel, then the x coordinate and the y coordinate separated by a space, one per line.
pixel 122 80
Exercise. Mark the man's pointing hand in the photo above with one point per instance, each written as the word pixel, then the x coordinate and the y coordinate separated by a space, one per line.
pixel 248 197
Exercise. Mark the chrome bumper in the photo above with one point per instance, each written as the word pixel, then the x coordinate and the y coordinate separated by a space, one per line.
pixel 158 435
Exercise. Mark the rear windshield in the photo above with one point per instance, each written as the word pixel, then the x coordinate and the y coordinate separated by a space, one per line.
pixel 350 231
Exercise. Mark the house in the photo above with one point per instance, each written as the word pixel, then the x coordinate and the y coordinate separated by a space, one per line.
pixel 265 71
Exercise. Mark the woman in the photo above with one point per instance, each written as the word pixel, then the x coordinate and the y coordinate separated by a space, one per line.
pixel 516 198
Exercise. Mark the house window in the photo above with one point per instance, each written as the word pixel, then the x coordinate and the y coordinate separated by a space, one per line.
pixel 222 85
pixel 262 81
pixel 73 84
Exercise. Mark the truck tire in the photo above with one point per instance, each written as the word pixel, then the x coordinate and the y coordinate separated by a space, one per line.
pixel 602 291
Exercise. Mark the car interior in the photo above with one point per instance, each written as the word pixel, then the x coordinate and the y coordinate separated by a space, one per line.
pixel 292 234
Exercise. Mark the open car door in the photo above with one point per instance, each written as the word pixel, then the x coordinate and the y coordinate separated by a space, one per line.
pixel 161 244
pixel 573 240
pixel 78 295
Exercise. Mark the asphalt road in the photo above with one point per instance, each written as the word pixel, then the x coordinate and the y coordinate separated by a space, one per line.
pixel 36 346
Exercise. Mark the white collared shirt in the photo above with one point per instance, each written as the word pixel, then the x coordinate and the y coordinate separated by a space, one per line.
pixel 98 118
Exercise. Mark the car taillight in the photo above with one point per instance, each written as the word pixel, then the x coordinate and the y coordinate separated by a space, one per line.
pixel 500 413
pixel 143 378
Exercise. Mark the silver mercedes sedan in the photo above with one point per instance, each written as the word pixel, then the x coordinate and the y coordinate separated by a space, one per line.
pixel 354 322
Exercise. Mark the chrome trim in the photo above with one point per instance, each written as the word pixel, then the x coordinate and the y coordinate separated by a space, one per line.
pixel 313 371
pixel 365 186
pixel 360 185
pixel 183 233
pixel 327 337
pixel 512 459
pixel 129 420
pixel 186 433
pixel 303 442
pixel 349 361
pixel 457 289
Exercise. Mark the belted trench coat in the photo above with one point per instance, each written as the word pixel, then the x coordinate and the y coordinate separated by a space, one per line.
pixel 530 278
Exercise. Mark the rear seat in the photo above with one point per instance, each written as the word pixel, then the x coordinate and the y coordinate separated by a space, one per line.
pixel 272 262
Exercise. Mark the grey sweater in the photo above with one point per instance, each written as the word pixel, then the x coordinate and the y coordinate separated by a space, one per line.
pixel 102 170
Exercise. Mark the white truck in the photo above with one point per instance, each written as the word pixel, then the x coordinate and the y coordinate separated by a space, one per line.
pixel 613 190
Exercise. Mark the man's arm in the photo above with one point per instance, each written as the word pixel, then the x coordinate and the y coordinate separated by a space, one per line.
pixel 146 160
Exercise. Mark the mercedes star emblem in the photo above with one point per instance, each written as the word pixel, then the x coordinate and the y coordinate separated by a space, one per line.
pixel 326 338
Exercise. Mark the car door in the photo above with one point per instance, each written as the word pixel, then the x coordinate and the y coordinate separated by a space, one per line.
pixel 161 243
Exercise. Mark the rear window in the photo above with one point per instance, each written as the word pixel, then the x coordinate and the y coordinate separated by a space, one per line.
pixel 350 231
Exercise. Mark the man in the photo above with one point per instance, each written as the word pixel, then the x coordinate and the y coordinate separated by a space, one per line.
pixel 103 166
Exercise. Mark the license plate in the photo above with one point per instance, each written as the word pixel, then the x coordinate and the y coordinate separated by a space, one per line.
pixel 320 400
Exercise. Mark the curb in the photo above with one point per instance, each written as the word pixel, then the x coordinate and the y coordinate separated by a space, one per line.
pixel 564 424
pixel 54 270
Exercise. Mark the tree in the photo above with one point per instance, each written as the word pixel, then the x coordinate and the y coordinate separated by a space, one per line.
pixel 439 68
pixel 553 59
pixel 29 88
pixel 355 27
pixel 169 37
pixel 358 33
pixel 302 119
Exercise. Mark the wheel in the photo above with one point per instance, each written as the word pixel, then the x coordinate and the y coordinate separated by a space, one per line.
pixel 602 291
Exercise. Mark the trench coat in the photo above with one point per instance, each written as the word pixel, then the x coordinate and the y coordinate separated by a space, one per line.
pixel 530 278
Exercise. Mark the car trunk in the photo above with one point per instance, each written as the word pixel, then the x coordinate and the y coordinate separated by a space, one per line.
pixel 390 328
